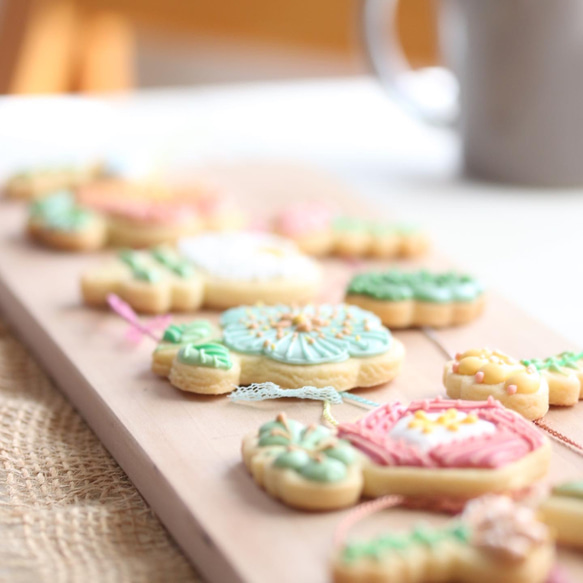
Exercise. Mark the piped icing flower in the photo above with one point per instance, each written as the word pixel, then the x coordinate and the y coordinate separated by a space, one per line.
pixel 306 335
pixel 312 451
pixel 559 364
pixel 396 285
pixel 443 433
pixel 503 528
pixel 60 212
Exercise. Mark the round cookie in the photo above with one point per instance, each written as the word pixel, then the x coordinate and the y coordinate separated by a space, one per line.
pixel 407 299
pixel 246 267
pixel 58 222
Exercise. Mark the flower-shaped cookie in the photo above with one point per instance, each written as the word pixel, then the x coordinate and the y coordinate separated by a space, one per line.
pixel 305 467
pixel 494 539
pixel 326 345
pixel 527 386
pixel 406 299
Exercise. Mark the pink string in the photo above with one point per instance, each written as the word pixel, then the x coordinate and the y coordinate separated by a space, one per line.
pixel 137 330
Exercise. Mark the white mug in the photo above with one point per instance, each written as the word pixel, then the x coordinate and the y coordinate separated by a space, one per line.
pixel 519 70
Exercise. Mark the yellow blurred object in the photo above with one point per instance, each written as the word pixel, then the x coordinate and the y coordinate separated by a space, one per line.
pixel 89 45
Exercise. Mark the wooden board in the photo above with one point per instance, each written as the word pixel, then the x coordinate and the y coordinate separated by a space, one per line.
pixel 182 451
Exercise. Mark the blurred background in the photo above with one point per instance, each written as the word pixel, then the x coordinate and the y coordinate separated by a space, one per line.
pixel 57 46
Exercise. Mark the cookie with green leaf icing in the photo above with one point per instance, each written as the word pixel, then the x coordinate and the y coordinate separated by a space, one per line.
pixel 305 467
pixel 406 299
pixel 563 512
pixel 58 221
pixel 493 540
pixel 155 281
pixel 318 345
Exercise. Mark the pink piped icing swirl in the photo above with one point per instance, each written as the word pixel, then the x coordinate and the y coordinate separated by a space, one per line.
pixel 302 218
pixel 514 437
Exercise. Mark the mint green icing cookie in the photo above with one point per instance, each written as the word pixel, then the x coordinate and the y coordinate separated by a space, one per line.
pixel 211 355
pixel 384 545
pixel 395 286
pixel 558 363
pixel 569 490
pixel 192 332
pixel 375 228
pixel 313 452
pixel 141 270
pixel 60 212
pixel 308 335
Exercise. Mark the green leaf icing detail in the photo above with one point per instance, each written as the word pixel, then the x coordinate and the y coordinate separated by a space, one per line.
pixel 557 363
pixel 379 547
pixel 396 285
pixel 59 211
pixel 308 335
pixel 191 332
pixel 172 261
pixel 570 490
pixel 313 452
pixel 211 355
pixel 139 266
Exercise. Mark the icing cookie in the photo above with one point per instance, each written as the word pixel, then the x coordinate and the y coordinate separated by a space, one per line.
pixel 563 512
pixel 493 541
pixel 152 282
pixel 527 386
pixel 57 221
pixel 304 467
pixel 319 230
pixel 406 299
pixel 246 267
pixel 36 183
pixel 327 345
pixel 453 449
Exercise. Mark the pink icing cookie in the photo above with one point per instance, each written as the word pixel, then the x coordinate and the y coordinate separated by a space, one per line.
pixel 305 218
pixel 446 448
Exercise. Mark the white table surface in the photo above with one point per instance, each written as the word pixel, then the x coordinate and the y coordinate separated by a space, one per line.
pixel 522 242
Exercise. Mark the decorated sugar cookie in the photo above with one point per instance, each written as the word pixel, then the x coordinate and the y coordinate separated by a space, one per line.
pixel 304 467
pixel 246 267
pixel 153 282
pixel 59 222
pixel 482 446
pixel 326 345
pixel 405 299
pixel 563 512
pixel 527 386
pixel 494 540
pixel 441 453
pixel 319 229
pixel 38 182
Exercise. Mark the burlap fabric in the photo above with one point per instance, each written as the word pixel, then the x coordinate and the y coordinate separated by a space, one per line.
pixel 67 510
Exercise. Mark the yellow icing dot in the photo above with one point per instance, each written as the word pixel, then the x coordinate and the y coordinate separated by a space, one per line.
pixel 470 418
pixel 470 365
pixel 498 373
pixel 453 426
pixel 479 352
pixel 525 382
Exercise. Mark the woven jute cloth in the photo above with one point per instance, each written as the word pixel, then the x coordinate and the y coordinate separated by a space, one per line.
pixel 67 510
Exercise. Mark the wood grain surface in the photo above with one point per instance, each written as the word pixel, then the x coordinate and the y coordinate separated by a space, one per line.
pixel 181 450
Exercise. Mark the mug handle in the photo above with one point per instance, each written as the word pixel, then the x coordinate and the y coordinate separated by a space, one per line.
pixel 429 94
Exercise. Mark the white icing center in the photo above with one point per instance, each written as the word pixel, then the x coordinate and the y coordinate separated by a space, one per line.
pixel 248 256
pixel 436 429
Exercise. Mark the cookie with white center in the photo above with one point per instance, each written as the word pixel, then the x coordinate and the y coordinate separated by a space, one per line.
pixel 408 299
pixel 324 345
pixel 492 540
pixel 563 512
pixel 442 448
pixel 527 386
